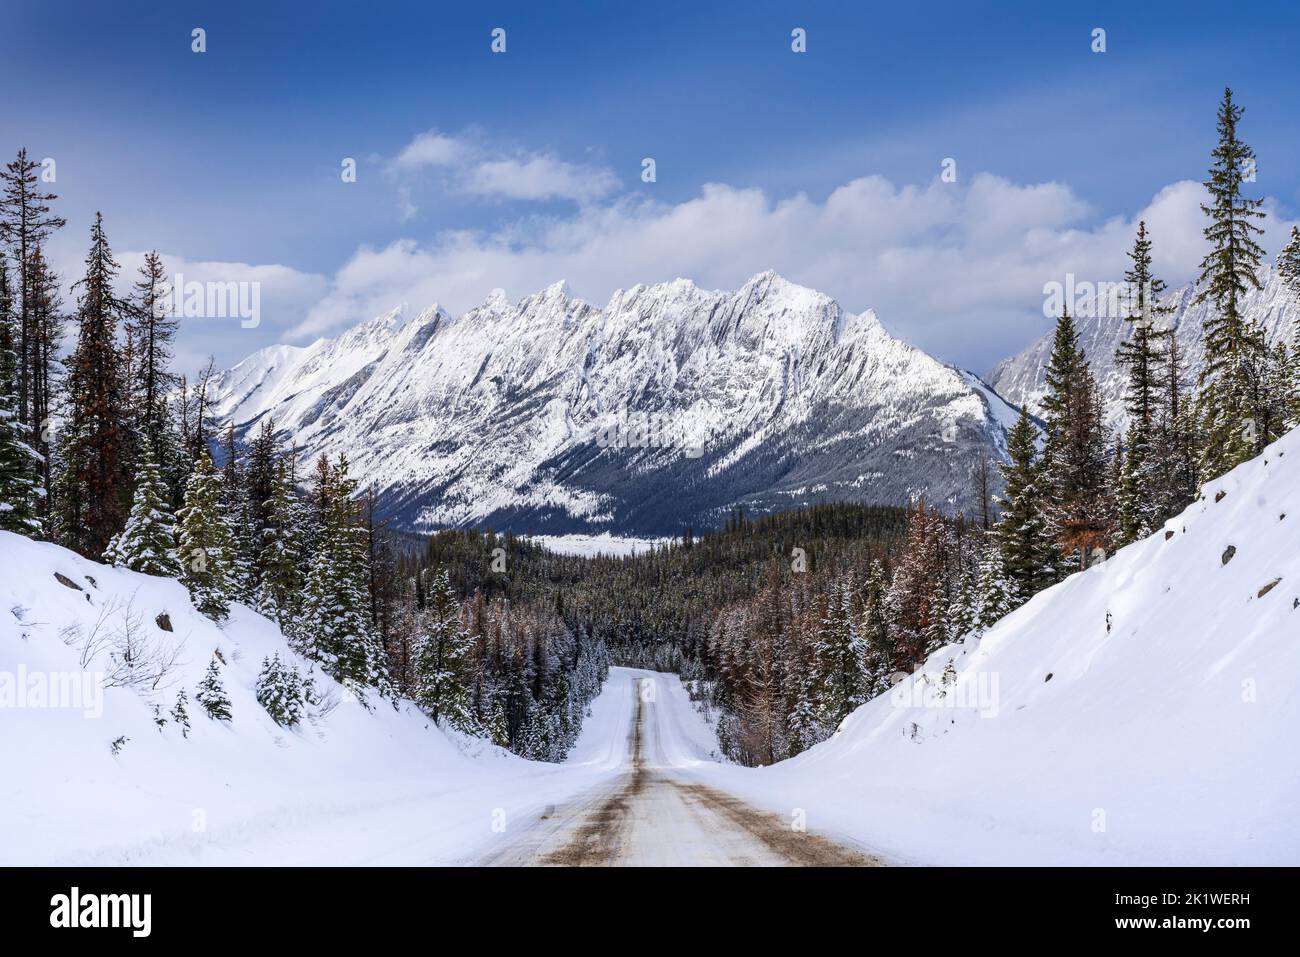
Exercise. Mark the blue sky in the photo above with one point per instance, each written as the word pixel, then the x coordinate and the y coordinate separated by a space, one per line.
pixel 822 165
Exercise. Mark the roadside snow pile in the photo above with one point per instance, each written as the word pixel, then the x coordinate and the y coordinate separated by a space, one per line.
pixel 109 775
pixel 1143 711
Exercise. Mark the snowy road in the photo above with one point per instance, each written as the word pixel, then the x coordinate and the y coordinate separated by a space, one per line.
pixel 656 812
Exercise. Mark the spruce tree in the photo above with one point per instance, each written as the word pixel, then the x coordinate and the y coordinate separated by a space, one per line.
pixel 995 592
pixel 20 464
pixel 280 691
pixel 335 626
pixel 1074 455
pixel 442 663
pixel 152 327
pixel 878 665
pixel 93 486
pixel 1288 268
pixel 1230 380
pixel 211 695
pixel 279 594
pixel 25 223
pixel 839 658
pixel 205 548
pixel 1027 553
pixel 181 713
pixel 148 543
pixel 1142 356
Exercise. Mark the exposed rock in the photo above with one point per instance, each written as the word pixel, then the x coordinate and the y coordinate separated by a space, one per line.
pixel 164 621
pixel 65 580
pixel 1228 553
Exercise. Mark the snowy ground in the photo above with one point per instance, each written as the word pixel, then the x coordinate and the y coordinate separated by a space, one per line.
pixel 602 544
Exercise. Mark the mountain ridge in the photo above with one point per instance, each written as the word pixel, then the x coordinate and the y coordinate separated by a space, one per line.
pixel 661 409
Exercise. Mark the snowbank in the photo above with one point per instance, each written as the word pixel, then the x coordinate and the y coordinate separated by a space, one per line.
pixel 90 778
pixel 1144 711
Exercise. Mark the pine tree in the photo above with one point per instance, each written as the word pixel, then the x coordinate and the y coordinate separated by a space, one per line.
pixel 20 464
pixel 205 542
pixel 47 321
pixel 995 592
pixel 335 627
pixel 93 485
pixel 181 713
pixel 1027 554
pixel 148 543
pixel 1230 381
pixel 211 695
pixel 878 663
pixel 442 665
pixel 280 691
pixel 152 327
pixel 279 594
pixel 244 537
pixel 25 223
pixel 1142 355
pixel 839 658
pixel 1074 456
pixel 1288 268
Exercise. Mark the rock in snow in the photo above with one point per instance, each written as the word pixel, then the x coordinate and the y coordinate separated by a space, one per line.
pixel 664 408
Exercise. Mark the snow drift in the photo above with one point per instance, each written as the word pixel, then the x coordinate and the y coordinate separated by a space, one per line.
pixel 89 776
pixel 1144 711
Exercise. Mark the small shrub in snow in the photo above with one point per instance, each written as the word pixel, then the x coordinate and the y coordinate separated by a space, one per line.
pixel 212 696
pixel 118 743
pixel 281 692
pixel 181 713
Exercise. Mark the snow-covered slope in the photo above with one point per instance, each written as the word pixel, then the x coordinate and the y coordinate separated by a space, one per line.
pixel 347 786
pixel 666 407
pixel 1021 379
pixel 1144 711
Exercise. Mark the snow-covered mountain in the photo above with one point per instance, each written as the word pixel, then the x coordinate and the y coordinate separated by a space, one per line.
pixel 664 408
pixel 1021 378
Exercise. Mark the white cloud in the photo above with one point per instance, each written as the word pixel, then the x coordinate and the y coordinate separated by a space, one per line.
pixel 468 164
pixel 958 269
pixel 431 149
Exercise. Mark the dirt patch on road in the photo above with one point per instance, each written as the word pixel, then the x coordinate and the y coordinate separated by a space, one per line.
pixel 597 841
pixel 800 848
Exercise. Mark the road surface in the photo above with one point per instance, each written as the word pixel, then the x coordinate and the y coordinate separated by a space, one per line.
pixel 659 813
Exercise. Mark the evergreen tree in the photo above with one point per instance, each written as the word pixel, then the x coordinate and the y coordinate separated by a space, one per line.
pixel 93 485
pixel 1142 355
pixel 1027 554
pixel 1288 268
pixel 152 328
pixel 25 223
pixel 279 594
pixel 205 542
pixel 839 659
pixel 211 695
pixel 181 713
pixel 20 464
pixel 280 691
pixel 879 651
pixel 442 678
pixel 47 322
pixel 1074 456
pixel 148 543
pixel 1230 381
pixel 996 593
pixel 335 626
